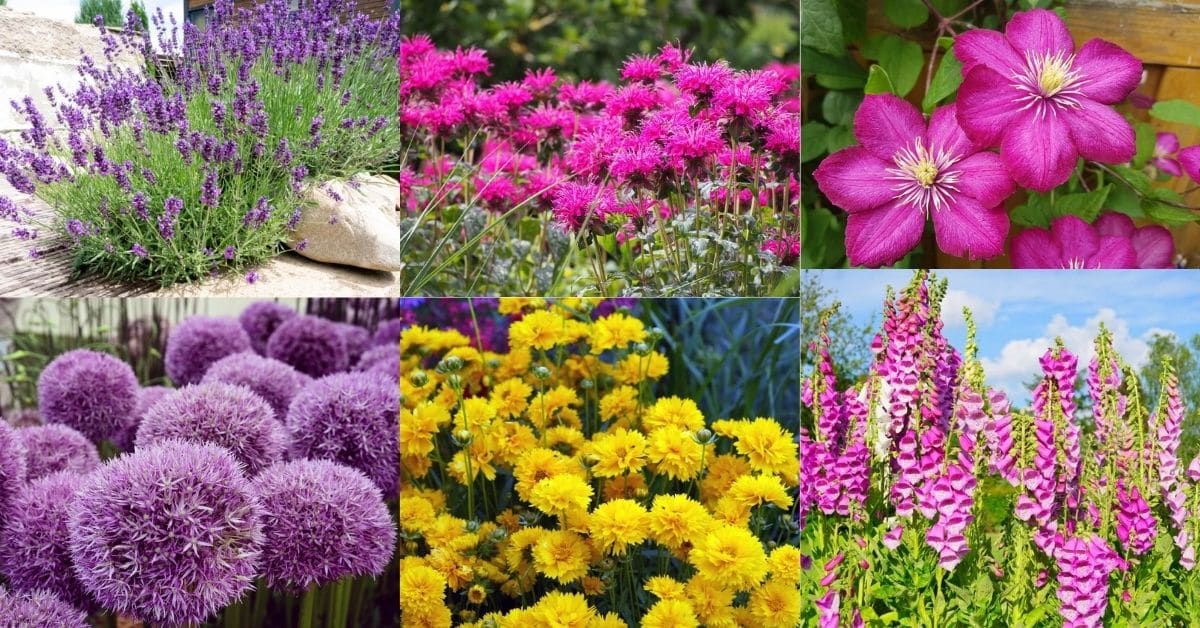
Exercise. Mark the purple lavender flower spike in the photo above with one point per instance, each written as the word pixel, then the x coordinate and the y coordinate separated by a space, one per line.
pixel 221 414
pixel 95 393
pixel 200 341
pixel 56 447
pixel 168 534
pixel 34 550
pixel 322 521
pixel 310 344
pixel 349 418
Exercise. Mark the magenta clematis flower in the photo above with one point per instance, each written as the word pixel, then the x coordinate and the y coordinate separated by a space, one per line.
pixel 1189 158
pixel 1043 103
pixel 1152 244
pixel 1071 243
pixel 1165 147
pixel 904 171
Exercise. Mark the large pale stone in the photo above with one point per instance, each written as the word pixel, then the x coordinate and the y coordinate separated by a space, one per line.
pixel 359 230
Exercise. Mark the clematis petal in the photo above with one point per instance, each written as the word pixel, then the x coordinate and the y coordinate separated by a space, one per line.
pixel 1113 252
pixel 1114 224
pixel 1039 31
pixel 1078 240
pixel 883 235
pixel 984 177
pixel 1108 72
pixel 1189 158
pixel 1167 165
pixel 1035 248
pixel 1038 150
pixel 884 124
pixel 944 133
pixel 854 179
pixel 1100 133
pixel 1154 247
pixel 987 105
pixel 1166 143
pixel 988 48
pixel 968 229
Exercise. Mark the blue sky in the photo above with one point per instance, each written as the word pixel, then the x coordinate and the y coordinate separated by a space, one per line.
pixel 1019 313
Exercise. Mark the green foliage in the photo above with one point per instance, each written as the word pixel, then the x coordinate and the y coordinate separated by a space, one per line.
pixel 110 10
pixel 591 38
pixel 1184 355
pixel 139 12
pixel 900 58
pixel 945 81
pixel 1181 111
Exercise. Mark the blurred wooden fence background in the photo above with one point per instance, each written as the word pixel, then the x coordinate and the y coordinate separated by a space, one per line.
pixel 1164 34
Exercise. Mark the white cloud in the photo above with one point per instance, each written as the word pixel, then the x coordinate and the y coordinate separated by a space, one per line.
pixel 1018 359
pixel 982 308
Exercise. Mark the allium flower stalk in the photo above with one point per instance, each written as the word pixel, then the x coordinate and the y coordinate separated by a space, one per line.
pixel 168 534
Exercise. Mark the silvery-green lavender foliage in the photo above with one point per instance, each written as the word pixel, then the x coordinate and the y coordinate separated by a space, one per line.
pixel 173 171
pixel 925 499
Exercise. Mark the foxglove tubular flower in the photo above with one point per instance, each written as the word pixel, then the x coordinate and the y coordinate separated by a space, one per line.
pixel 891 539
pixel 1168 435
pixel 953 498
pixel 56 447
pixel 1072 243
pixel 34 549
pixel 92 392
pixel 905 171
pixel 351 418
pixel 1084 566
pixel 1136 525
pixel 1000 438
pixel 169 534
pixel 199 342
pixel 322 521
pixel 220 414
pixel 829 609
pixel 1041 101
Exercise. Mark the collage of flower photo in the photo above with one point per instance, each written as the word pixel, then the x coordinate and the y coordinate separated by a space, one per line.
pixel 999 207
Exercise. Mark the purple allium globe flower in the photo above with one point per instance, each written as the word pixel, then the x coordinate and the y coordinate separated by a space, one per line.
pixel 322 521
pixel 168 534
pixel 357 340
pixel 34 549
pixel 200 341
pixel 310 345
pixel 388 332
pixel 276 382
pixel 92 392
pixel 221 414
pixel 147 397
pixel 375 355
pixel 38 608
pixel 388 366
pixel 12 468
pixel 55 447
pixel 904 172
pixel 260 321
pixel 1166 145
pixel 1045 105
pixel 351 418
pixel 1072 243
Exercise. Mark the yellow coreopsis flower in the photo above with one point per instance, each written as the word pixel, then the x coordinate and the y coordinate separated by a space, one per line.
pixel 510 398
pixel 422 589
pixel 539 329
pixel 514 305
pixel 673 412
pixel 561 494
pixel 621 403
pixel 561 610
pixel 458 569
pixel 608 620
pixel 544 407
pixel 565 439
pixel 474 414
pixel 678 520
pixel 723 471
pixel 592 586
pixel 784 564
pixel 750 491
pixel 517 544
pixel 476 594
pixel 618 453
pixel 665 588
pixel 625 487
pixel 416 514
pixel 675 453
pixel 731 555
pixel 775 605
pixel 671 613
pixel 617 524
pixel 538 464
pixel 561 555
pixel 512 440
pixel 768 447
pixel 616 331
pixel 712 602
pixel 633 369
pixel 418 427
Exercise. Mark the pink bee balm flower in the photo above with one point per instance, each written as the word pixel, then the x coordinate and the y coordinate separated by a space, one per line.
pixel 1043 103
pixel 904 171
pixel 1165 147
pixel 1071 243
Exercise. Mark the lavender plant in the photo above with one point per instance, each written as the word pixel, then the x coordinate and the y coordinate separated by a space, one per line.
pixel 172 171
